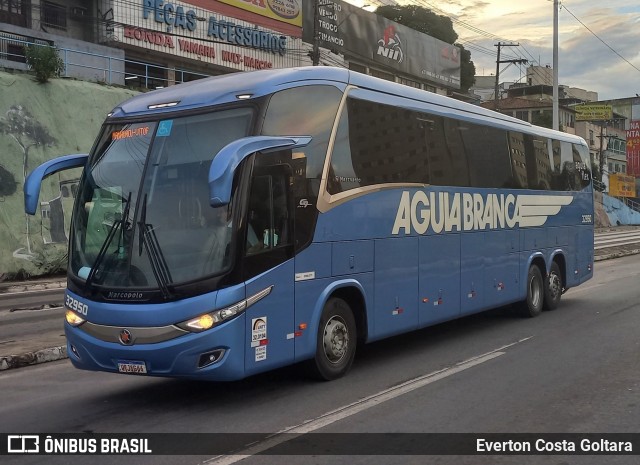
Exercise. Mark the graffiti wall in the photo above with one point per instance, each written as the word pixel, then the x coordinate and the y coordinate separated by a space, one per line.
pixel 39 122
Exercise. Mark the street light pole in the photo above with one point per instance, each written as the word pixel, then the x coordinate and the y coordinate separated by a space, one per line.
pixel 315 53
pixel 601 152
pixel 556 122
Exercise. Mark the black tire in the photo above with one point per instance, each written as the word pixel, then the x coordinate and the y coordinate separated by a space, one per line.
pixel 553 288
pixel 336 341
pixel 532 305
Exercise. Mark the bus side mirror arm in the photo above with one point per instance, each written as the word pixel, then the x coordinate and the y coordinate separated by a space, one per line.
pixel 34 180
pixel 224 164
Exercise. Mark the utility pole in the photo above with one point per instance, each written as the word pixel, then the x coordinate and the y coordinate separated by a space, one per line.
pixel 602 136
pixel 555 103
pixel 498 61
pixel 315 53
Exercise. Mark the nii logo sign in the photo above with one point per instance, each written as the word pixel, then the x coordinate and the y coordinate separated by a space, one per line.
pixel 390 46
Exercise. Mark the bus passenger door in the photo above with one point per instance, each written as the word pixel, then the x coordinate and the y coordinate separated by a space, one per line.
pixel 268 264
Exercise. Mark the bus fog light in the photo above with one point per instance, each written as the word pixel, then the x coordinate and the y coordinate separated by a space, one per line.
pixel 74 350
pixel 73 318
pixel 210 358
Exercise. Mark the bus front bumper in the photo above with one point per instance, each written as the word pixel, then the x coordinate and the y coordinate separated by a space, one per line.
pixel 216 354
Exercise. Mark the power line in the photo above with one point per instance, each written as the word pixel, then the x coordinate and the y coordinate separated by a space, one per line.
pixel 597 37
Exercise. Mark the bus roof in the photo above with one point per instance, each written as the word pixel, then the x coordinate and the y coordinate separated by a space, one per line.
pixel 226 89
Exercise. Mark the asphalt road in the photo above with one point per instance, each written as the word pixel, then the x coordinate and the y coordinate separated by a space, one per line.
pixel 575 369
pixel 31 320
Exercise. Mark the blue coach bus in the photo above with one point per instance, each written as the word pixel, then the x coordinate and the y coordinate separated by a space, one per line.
pixel 240 223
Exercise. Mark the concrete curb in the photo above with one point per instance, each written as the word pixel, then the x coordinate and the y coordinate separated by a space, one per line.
pixel 30 286
pixel 52 354
pixel 33 358
pixel 618 254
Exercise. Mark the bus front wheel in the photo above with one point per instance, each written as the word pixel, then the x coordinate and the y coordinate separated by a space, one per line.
pixel 553 288
pixel 336 342
pixel 532 306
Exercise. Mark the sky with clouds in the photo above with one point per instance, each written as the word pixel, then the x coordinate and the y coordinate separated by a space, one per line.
pixel 584 60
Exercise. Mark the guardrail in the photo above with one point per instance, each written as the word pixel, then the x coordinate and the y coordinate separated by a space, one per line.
pixel 632 204
pixel 599 185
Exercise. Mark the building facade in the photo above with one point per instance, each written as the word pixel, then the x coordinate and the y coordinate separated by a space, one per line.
pixel 155 43
pixel 152 43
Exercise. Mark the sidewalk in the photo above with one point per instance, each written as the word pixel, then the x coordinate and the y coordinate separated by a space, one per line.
pixel 25 340
pixel 34 335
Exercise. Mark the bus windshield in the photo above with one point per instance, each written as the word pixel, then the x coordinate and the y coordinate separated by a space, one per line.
pixel 143 218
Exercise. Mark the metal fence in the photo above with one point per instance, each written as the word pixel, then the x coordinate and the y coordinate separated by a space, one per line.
pixel 103 68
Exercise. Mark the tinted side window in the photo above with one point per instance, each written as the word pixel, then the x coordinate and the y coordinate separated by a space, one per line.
pixel 268 222
pixel 582 164
pixel 570 177
pixel 448 162
pixel 571 166
pixel 557 178
pixel 268 214
pixel 539 163
pixel 518 159
pixel 305 111
pixel 309 111
pixel 377 144
pixel 488 155
pixel 531 161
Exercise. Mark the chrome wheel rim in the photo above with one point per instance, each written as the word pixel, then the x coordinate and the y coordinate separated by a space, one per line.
pixel 335 339
pixel 555 285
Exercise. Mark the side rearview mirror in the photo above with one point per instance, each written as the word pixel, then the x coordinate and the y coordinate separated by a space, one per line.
pixel 224 164
pixel 34 180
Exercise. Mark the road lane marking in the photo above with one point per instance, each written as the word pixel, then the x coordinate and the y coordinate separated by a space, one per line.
pixel 357 407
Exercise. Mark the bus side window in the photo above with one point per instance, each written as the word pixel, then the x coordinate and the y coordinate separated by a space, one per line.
pixel 268 217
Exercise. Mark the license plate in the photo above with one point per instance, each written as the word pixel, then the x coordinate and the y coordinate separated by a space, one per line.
pixel 133 367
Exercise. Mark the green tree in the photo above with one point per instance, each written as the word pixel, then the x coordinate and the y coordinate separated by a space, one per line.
pixel 44 61
pixel 544 119
pixel 8 184
pixel 426 21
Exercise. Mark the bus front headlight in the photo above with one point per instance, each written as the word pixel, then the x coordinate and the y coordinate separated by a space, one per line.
pixel 73 318
pixel 211 319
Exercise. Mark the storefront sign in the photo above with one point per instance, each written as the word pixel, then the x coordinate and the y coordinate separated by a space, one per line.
pixel 175 16
pixel 191 32
pixel 633 148
pixel 344 28
pixel 593 112
pixel 621 185
pixel 287 11
pixel 170 14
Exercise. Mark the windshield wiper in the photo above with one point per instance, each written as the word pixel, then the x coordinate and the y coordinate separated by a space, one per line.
pixel 116 226
pixel 148 239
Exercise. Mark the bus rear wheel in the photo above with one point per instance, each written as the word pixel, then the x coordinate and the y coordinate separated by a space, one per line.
pixel 553 288
pixel 336 342
pixel 532 305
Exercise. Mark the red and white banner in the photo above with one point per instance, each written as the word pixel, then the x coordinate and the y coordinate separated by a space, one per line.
pixel 633 149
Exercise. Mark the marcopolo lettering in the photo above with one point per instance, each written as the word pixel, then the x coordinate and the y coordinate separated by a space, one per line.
pixel 446 212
